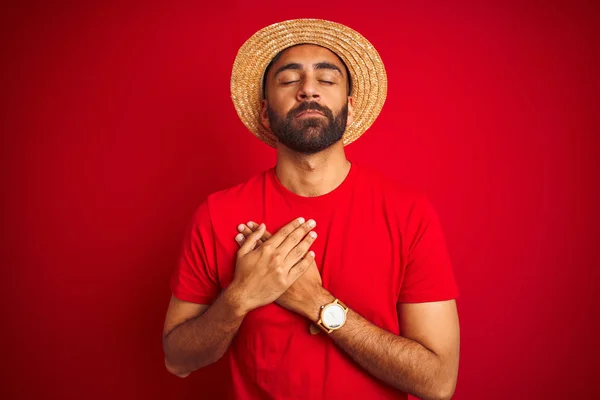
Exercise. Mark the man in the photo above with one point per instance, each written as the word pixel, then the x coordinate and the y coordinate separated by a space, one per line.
pixel 364 309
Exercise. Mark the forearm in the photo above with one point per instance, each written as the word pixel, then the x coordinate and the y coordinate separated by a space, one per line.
pixel 202 340
pixel 403 363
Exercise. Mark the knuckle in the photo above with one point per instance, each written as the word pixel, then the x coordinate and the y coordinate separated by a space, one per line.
pixel 289 228
pixel 298 251
pixel 267 248
pixel 292 256
pixel 301 267
pixel 288 231
pixel 282 281
pixel 276 258
pixel 297 236
pixel 305 244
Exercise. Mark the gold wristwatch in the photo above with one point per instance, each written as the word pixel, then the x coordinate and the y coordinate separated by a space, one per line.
pixel 331 318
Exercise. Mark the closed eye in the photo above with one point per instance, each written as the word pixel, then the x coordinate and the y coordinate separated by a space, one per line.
pixel 288 82
pixel 327 82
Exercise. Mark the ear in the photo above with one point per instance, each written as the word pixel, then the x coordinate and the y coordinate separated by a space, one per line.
pixel 350 111
pixel 264 116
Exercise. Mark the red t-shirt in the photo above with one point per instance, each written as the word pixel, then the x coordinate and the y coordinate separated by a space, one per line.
pixel 379 244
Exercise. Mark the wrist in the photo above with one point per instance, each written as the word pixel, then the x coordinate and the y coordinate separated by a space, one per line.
pixel 235 300
pixel 312 310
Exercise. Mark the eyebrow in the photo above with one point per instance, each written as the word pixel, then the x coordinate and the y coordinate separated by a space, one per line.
pixel 327 65
pixel 296 66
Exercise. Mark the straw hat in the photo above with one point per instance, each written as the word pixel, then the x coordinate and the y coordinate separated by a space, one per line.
pixel 369 81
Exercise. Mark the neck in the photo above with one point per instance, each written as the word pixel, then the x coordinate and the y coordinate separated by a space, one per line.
pixel 312 175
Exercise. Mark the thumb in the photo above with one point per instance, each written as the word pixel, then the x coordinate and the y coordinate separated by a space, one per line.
pixel 251 241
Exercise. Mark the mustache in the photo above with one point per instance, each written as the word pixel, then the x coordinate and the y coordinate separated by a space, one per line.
pixel 312 106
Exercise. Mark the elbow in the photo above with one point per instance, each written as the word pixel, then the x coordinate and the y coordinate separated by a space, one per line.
pixel 172 367
pixel 440 389
pixel 181 363
pixel 444 391
pixel 445 382
pixel 175 370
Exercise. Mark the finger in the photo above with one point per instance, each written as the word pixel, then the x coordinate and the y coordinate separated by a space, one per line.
pixel 244 233
pixel 296 254
pixel 266 236
pixel 296 237
pixel 250 227
pixel 283 233
pixel 240 239
pixel 301 267
pixel 251 241
pixel 254 226
pixel 246 230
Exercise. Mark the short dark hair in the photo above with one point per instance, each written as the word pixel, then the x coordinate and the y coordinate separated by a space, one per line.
pixel 278 56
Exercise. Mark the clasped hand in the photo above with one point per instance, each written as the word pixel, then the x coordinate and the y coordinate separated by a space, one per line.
pixel 278 268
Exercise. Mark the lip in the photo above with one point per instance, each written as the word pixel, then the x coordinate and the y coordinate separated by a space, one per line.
pixel 309 113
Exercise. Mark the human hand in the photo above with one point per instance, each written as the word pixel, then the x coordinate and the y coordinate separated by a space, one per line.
pixel 264 272
pixel 299 297
pixel 247 229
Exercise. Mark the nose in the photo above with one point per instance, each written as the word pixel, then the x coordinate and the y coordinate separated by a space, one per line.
pixel 308 90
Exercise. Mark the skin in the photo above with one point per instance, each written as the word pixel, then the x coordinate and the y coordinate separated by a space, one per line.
pixel 423 361
pixel 197 335
pixel 320 173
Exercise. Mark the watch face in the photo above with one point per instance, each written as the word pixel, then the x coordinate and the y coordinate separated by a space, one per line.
pixel 333 316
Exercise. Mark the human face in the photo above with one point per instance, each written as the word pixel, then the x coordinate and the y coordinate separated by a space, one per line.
pixel 307 106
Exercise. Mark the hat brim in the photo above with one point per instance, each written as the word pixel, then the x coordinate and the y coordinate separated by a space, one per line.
pixel 369 80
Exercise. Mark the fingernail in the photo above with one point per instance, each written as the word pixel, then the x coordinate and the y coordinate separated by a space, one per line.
pixel 301 220
pixel 250 225
pixel 312 223
pixel 313 234
pixel 239 237
pixel 312 253
pixel 241 228
pixel 261 226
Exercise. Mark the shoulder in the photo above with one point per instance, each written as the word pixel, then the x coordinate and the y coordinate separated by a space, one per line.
pixel 230 206
pixel 408 206
pixel 234 196
pixel 390 189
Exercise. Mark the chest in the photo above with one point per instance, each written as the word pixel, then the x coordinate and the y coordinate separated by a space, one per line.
pixel 358 252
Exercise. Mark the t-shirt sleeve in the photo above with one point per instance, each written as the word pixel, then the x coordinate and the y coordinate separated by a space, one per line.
pixel 428 275
pixel 195 278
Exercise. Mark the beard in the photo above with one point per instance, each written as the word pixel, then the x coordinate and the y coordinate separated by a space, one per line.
pixel 308 135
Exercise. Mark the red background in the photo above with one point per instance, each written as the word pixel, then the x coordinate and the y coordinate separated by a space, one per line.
pixel 117 122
